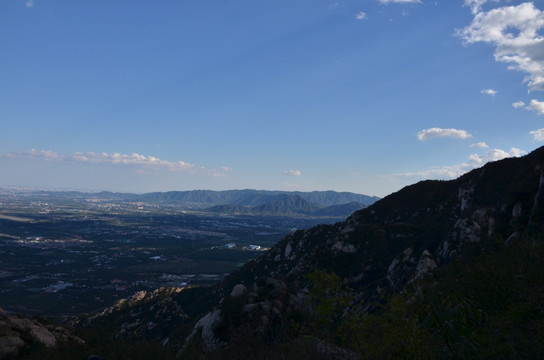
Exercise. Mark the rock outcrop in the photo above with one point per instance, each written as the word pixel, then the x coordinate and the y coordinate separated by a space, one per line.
pixel 17 332
pixel 244 312
pixel 145 314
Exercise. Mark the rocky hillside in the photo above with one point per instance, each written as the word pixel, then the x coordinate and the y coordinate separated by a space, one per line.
pixel 18 333
pixel 447 269
pixel 410 232
pixel 290 205
pixel 394 243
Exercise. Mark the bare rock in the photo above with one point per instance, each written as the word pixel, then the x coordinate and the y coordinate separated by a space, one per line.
pixel 10 346
pixel 238 290
pixel 42 335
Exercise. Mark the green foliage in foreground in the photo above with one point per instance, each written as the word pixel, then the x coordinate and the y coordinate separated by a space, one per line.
pixel 486 305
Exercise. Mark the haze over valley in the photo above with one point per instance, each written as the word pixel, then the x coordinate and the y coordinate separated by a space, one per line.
pixel 63 253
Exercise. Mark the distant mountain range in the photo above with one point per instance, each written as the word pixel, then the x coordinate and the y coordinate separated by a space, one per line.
pixel 249 202
pixel 290 205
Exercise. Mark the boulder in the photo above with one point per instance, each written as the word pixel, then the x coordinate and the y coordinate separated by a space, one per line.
pixel 238 290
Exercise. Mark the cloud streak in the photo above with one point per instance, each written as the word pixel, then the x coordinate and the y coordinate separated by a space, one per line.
pixel 538 135
pixel 117 159
pixel 491 92
pixel 481 145
pixel 475 5
pixel 292 172
pixel 449 172
pixel 431 133
pixel 361 15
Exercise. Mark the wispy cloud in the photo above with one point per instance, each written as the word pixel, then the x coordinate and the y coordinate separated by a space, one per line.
pixel 29 3
pixel 534 105
pixel 431 133
pixel 475 5
pixel 37 154
pixel 538 135
pixel 453 171
pixel 514 32
pixel 132 159
pixel 292 172
pixel 400 1
pixel 537 106
pixel 361 15
pixel 117 159
pixel 476 160
pixel 481 145
pixel 491 92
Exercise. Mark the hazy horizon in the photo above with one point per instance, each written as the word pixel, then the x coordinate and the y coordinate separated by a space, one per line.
pixel 91 191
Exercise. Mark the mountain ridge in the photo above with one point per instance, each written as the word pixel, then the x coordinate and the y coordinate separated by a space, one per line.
pixel 448 269
pixel 395 242
pixel 233 202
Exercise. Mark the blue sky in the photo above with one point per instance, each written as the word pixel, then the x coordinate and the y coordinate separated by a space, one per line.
pixel 364 96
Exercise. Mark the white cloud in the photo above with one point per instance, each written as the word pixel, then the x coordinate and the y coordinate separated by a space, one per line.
pixel 360 15
pixel 489 92
pixel 29 3
pixel 400 1
pixel 454 171
pixel 514 31
pixel 475 5
pixel 538 135
pixel 132 159
pixel 292 172
pixel 537 106
pixel 476 160
pixel 33 153
pixel 116 159
pixel 427 134
pixel 518 104
pixel 515 152
pixel 481 145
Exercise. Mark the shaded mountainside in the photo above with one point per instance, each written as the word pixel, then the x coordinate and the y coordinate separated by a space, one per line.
pixel 247 202
pixel 18 332
pixel 386 244
pixel 439 269
pixel 391 245
pixel 254 198
pixel 289 205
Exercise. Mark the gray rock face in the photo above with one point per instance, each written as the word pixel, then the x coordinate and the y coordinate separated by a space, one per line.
pixel 208 324
pixel 238 290
pixel 143 314
pixel 253 312
pixel 43 335
pixel 10 345
pixel 17 332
